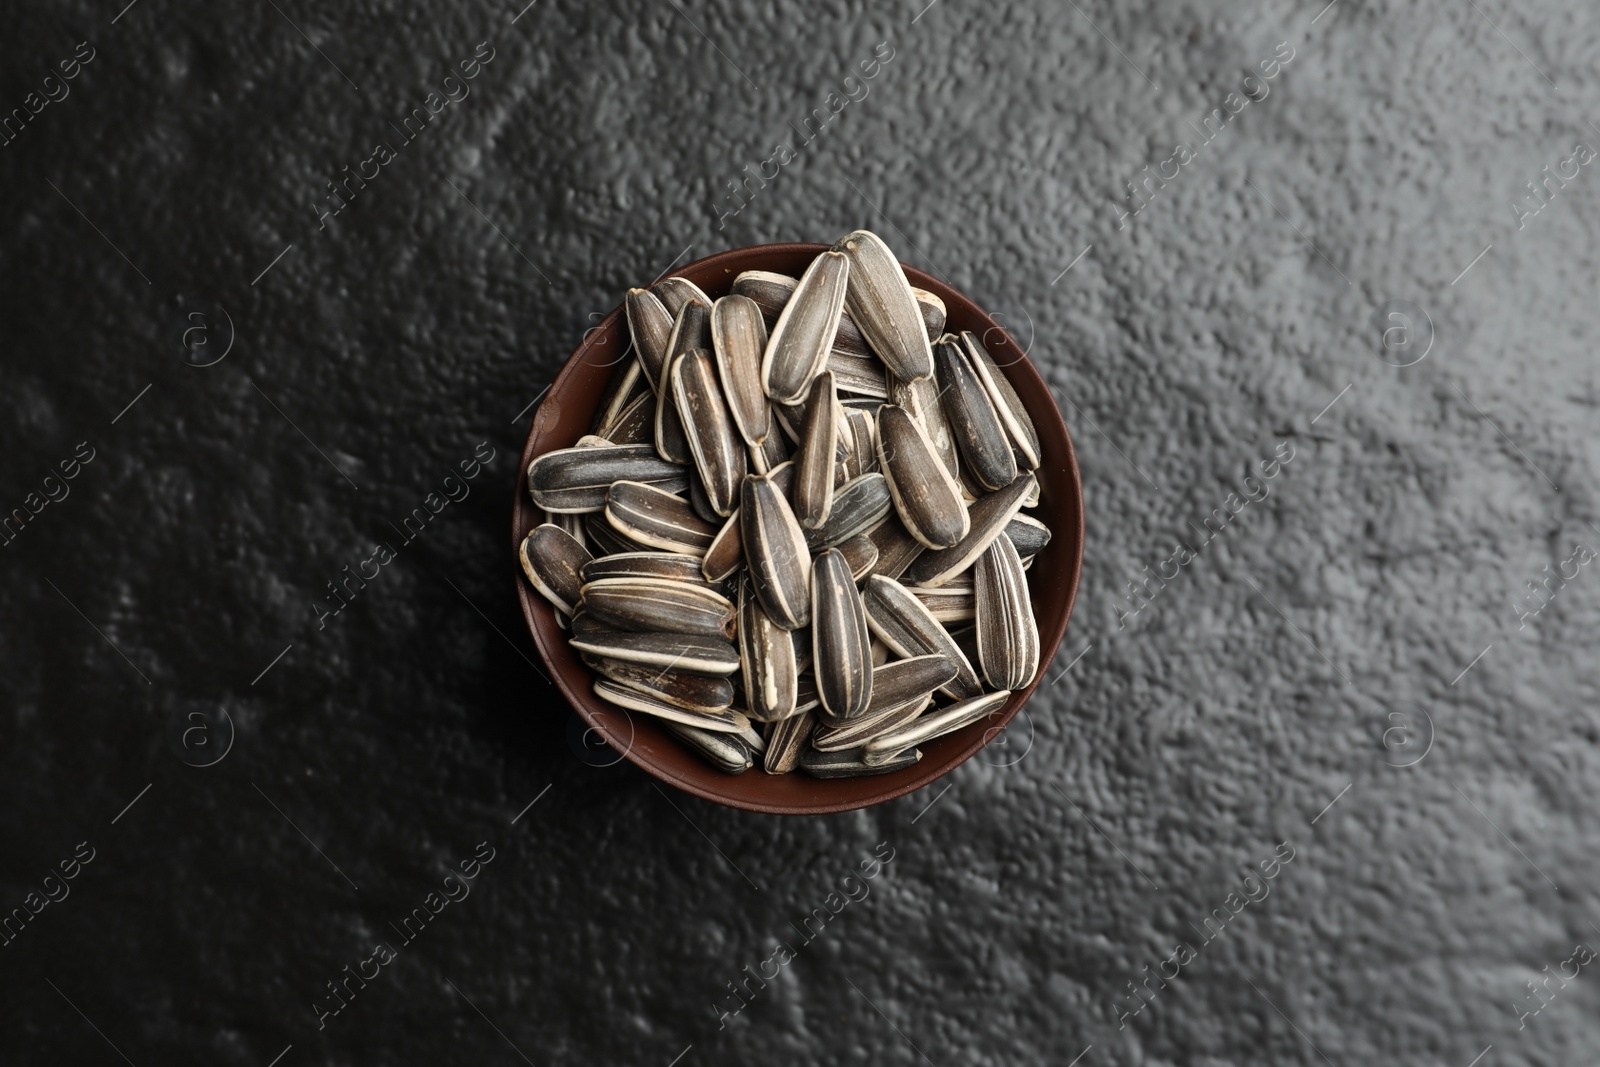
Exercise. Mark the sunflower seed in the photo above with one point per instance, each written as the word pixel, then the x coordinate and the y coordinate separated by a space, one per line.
pixel 882 304
pixel 806 696
pixel 848 764
pixel 1029 535
pixel 989 516
pixel 682 652
pixel 729 753
pixel 573 524
pixel 775 550
pixel 693 692
pixel 813 484
pixel 636 423
pixel 769 289
pixel 739 338
pixel 803 335
pixel 860 431
pixel 947 603
pixel 839 638
pixel 787 741
pixel 985 445
pixel 650 326
pixel 577 479
pixel 926 498
pixel 725 555
pixel 718 453
pixel 774 450
pixel 627 384
pixel 858 506
pixel 771 676
pixel 860 554
pixel 674 566
pixel 585 625
pixel 920 398
pixel 659 605
pixel 672 441
pixel 902 681
pixel 887 746
pixel 1008 636
pixel 657 519
pixel 933 312
pixel 606 538
pixel 896 547
pixel 861 375
pixel 855 734
pixel 675 292
pixel 552 560
pixel 900 621
pixel 1007 404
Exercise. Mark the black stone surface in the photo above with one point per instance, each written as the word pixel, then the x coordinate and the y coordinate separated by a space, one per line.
pixel 1353 667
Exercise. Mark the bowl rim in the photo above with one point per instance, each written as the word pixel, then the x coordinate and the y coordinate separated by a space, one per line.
pixel 544 630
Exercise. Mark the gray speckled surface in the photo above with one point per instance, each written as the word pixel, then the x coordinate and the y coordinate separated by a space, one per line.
pixel 1362 612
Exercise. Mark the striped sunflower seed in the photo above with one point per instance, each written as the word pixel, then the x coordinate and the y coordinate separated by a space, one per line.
pixel 926 497
pixel 849 764
pixel 1008 636
pixel 675 293
pixel 585 625
pixel 858 506
pixel 899 620
pixel 839 638
pixel 947 603
pixel 774 451
pixel 693 692
pixel 636 423
pixel 627 384
pixel 606 538
pixel 554 560
pixel 672 440
pixel 683 652
pixel 673 566
pixel 920 398
pixel 989 517
pixel 882 304
pixel 771 675
pixel 860 375
pixel 803 335
pixel 573 524
pixel 787 741
pixel 860 430
pixel 719 453
pixel 725 554
pixel 1029 535
pixel 933 312
pixel 813 483
pixel 887 746
pixel 659 605
pixel 769 289
pixel 896 547
pixel 858 733
pixel 578 479
pixel 739 338
pixel 729 753
pixel 650 326
pixel 657 519
pixel 985 445
pixel 1007 404
pixel 860 555
pixel 775 551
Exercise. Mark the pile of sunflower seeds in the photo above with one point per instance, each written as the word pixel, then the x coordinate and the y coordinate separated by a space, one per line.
pixel 794 533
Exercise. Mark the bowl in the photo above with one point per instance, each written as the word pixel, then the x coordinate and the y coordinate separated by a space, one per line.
pixel 565 415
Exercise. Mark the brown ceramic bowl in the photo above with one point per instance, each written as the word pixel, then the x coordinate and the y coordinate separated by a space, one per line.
pixel 565 415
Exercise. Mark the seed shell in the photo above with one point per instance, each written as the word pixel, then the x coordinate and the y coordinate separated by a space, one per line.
pixel 693 692
pixel 659 605
pixel 729 753
pixel 1007 404
pixel 855 734
pixel 675 292
pixel 839 638
pixel 848 764
pixel 882 304
pixel 657 519
pixel 718 452
pixel 927 499
pixel 650 326
pixel 771 675
pixel 578 479
pixel 675 566
pixel 553 560
pixel 739 338
pixel 899 620
pixel 787 742
pixel 775 549
pixel 985 445
pixel 803 335
pixel 683 652
pixel 989 517
pixel 858 506
pixel 1008 636
pixel 813 485
pixel 885 747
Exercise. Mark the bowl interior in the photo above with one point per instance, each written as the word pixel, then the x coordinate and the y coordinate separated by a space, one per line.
pixel 565 415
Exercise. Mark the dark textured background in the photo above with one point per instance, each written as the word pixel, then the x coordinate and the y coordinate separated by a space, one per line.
pixel 1319 641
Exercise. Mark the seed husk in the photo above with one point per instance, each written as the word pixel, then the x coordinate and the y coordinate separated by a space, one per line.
pixel 899 620
pixel 803 335
pixel 859 430
pixel 860 554
pixel 683 652
pixel 882 304
pixel 775 550
pixel 739 338
pixel 806 697
pixel 725 554
pixel 985 445
pixel 933 312
pixel 729 753
pixel 903 680
pixel 585 625
pixel 813 484
pixel 672 440
pixel 553 560
pixel 920 398
pixel 627 384
pixel 1008 636
pixel 1029 535
pixel 896 547
pixel 856 734
pixel 771 291
pixel 885 747
pixel 858 506
pixel 674 566
pixel 676 292
pixel 657 519
pixel 578 479
pixel 848 764
pixel 718 452
pixel 636 423
pixel 927 499
pixel 606 538
pixel 659 605
pixel 773 451
pixel 573 524
pixel 787 742
pixel 860 375
pixel 839 638
pixel 771 675
pixel 1007 404
pixel 989 517
pixel 947 603
pixel 650 326
pixel 693 692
